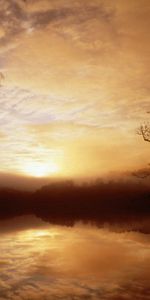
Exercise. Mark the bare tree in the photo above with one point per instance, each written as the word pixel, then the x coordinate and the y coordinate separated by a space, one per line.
pixel 144 130
pixel 142 173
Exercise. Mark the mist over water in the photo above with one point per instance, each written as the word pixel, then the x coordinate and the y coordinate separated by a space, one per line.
pixel 43 261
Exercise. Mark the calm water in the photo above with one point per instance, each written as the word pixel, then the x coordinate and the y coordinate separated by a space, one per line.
pixel 42 261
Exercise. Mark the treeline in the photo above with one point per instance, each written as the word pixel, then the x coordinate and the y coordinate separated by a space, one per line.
pixel 66 202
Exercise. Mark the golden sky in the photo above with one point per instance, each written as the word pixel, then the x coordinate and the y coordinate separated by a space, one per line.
pixel 76 86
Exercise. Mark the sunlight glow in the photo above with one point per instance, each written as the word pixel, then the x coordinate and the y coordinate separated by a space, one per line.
pixel 42 233
pixel 37 169
pixel 32 234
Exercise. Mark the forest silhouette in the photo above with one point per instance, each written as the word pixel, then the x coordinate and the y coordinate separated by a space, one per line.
pixel 66 202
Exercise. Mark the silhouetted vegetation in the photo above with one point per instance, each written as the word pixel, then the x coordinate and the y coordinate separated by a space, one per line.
pixel 66 203
pixel 144 131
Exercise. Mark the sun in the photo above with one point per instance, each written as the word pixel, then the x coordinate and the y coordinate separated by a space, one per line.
pixel 36 169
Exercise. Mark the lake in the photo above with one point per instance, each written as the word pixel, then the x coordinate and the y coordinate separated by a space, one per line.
pixel 42 261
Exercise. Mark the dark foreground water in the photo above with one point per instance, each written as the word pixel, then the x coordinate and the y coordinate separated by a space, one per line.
pixel 48 262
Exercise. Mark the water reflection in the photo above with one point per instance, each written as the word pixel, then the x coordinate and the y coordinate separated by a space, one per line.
pixel 83 262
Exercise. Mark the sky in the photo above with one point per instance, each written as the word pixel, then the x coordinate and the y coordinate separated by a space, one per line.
pixel 76 87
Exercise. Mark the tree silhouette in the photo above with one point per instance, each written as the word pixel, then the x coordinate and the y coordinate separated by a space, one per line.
pixel 144 131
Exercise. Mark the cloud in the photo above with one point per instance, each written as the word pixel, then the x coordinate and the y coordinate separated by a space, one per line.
pixel 12 18
pixel 24 19
pixel 74 70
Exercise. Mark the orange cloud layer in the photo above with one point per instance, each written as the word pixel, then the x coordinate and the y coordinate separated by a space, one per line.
pixel 76 84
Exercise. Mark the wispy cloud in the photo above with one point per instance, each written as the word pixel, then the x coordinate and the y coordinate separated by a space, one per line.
pixel 75 71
